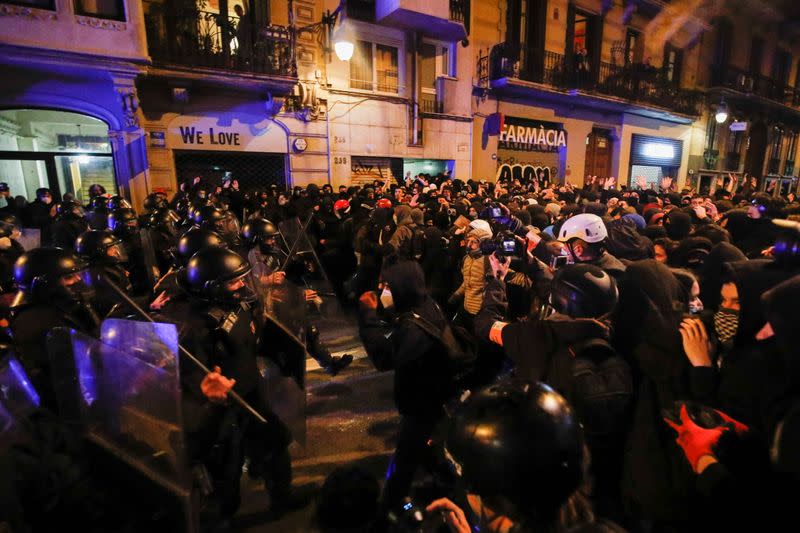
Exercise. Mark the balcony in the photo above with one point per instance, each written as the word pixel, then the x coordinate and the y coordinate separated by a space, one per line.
pixel 443 19
pixel 206 40
pixel 639 84
pixel 736 79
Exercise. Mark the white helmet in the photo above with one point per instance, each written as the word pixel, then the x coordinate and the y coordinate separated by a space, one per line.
pixel 586 226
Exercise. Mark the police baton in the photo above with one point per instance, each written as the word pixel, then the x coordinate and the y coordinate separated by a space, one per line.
pixel 238 399
pixel 302 234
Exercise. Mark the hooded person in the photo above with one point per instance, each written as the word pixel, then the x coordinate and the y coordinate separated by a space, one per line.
pixel 422 380
pixel 678 224
pixel 690 253
pixel 656 481
pixel 401 242
pixel 712 271
pixel 740 377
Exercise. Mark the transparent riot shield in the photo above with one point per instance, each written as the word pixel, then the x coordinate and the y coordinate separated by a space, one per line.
pixel 338 330
pixel 149 257
pixel 283 354
pixel 31 238
pixel 125 393
pixel 18 399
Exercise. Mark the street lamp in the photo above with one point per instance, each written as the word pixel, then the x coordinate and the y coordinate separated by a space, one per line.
pixel 343 41
pixel 722 112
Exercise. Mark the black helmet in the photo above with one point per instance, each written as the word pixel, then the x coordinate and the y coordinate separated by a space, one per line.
pixel 163 218
pixel 519 447
pixel 210 270
pixel 183 207
pixel 8 224
pixel 123 221
pixel 258 230
pixel 101 247
pixel 69 209
pixel 117 202
pixel 98 217
pixel 155 200
pixel 38 273
pixel 193 241
pixel 208 216
pixel 98 202
pixel 583 291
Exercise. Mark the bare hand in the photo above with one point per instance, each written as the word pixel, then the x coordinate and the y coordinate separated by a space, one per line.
pixel 311 295
pixel 216 387
pixel 453 515
pixel 159 302
pixel 499 266
pixel 276 278
pixel 695 342
pixel 369 300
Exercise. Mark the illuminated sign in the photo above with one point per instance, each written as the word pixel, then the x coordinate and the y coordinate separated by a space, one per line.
pixel 658 150
pixel 529 135
pixel 738 126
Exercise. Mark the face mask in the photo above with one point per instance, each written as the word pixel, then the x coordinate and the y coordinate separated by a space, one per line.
pixel 695 306
pixel 47 200
pixel 726 323
pixel 386 299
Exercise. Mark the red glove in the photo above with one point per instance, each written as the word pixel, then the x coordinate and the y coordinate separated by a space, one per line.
pixel 696 441
pixel 738 427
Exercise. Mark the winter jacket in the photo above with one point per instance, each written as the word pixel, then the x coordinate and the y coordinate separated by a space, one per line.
pixel 473 271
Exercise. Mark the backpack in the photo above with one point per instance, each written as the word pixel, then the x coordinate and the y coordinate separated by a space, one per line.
pixel 624 242
pixel 418 243
pixel 601 389
pixel 460 348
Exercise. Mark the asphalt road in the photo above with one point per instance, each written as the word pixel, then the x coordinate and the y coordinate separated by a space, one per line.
pixel 351 420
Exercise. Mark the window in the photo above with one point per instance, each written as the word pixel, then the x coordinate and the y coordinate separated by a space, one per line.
pixel 434 61
pixel 580 39
pixel 790 155
pixel 105 9
pixel 756 54
pixel 673 58
pixel 632 47
pixel 733 155
pixel 781 65
pixel 39 4
pixel 775 151
pixel 374 67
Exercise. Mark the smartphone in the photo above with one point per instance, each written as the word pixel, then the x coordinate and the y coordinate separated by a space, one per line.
pixel 559 261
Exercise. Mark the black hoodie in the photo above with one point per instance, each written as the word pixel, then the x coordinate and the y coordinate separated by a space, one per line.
pixel 712 270
pixel 422 381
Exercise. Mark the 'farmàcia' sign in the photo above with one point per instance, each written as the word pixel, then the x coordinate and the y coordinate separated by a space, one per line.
pixel 533 136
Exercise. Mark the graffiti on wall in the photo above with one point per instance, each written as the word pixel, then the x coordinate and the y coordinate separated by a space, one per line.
pixel 527 172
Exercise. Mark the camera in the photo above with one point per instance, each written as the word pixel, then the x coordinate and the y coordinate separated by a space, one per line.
pixel 504 244
pixel 559 261
pixel 408 518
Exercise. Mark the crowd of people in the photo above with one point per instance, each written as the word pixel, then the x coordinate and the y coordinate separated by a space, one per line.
pixel 595 358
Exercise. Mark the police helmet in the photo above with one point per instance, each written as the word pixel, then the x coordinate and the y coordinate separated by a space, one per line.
pixel 100 247
pixel 210 272
pixel 583 291
pixel 194 240
pixel 258 230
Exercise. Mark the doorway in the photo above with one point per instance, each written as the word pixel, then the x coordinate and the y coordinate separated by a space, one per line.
pixel 64 152
pixel 756 150
pixel 599 148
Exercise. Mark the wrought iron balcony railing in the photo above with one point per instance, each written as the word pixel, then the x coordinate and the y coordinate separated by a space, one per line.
pixel 636 83
pixel 213 40
pixel 739 80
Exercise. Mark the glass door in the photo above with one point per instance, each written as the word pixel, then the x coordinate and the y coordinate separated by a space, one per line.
pixel 24 174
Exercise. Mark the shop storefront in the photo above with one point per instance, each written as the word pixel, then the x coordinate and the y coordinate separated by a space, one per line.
pixel 654 158
pixel 528 149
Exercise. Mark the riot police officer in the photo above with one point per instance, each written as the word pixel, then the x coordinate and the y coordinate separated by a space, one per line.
pixel 161 233
pixel 107 258
pixel 70 223
pixel 52 293
pixel 10 250
pixel 191 242
pixel 269 269
pixel 97 213
pixel 223 222
pixel 217 324
pixel 124 224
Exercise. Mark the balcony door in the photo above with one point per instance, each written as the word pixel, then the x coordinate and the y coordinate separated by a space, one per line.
pixel 584 41
pixel 526 26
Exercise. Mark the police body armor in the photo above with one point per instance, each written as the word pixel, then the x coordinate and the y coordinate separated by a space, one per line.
pixel 235 336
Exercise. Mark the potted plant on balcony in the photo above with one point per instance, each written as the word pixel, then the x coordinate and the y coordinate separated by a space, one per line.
pixel 710 158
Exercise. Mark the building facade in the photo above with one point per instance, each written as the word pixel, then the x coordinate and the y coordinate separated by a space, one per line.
pixel 141 96
pixel 68 109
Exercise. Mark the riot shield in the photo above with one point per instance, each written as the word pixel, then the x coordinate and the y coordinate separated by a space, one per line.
pixel 18 399
pixel 338 330
pixel 31 238
pixel 149 257
pixel 283 349
pixel 125 393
